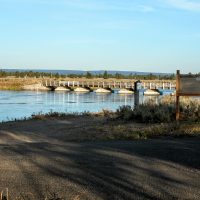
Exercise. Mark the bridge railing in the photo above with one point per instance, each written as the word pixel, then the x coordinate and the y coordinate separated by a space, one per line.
pixel 106 84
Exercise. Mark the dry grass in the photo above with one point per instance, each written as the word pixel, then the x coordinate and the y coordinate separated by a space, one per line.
pixel 16 83
pixel 162 112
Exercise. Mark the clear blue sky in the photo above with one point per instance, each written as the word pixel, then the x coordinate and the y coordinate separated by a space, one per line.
pixel 139 35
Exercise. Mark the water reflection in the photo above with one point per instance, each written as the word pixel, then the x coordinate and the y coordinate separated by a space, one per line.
pixel 25 103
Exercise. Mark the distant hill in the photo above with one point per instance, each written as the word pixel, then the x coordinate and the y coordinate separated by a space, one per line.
pixel 65 72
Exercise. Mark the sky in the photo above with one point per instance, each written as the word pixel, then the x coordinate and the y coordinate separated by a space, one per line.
pixel 127 35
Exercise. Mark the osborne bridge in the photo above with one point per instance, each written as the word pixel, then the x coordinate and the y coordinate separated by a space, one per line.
pixel 108 86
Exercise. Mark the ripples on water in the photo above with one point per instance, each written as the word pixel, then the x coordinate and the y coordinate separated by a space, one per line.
pixel 16 105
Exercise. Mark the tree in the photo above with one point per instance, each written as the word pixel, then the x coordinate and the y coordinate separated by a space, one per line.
pixel 88 75
pixel 105 75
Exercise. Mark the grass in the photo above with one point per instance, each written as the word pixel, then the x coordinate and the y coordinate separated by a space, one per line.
pixel 15 84
pixel 164 112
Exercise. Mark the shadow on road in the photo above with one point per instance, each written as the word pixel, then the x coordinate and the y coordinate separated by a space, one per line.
pixel 153 169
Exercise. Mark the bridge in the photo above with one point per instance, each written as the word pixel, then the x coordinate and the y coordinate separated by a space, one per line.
pixel 109 85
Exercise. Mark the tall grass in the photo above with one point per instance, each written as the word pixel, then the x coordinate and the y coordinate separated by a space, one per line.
pixel 162 112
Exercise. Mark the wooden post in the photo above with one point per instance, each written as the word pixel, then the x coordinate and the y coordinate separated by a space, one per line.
pixel 177 95
pixel 7 193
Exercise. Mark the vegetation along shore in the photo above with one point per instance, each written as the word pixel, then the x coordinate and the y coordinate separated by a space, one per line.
pixel 144 121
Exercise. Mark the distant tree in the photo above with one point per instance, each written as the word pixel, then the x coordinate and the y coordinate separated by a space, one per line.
pixel 57 75
pixel 88 75
pixel 105 75
pixel 130 76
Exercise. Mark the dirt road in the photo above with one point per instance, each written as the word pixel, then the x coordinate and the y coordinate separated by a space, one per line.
pixel 37 159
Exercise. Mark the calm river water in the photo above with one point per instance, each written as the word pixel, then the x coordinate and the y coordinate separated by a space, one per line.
pixel 16 105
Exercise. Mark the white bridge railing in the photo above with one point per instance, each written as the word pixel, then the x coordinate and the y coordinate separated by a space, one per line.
pixel 111 85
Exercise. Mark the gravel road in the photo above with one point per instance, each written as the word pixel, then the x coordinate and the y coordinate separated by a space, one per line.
pixel 35 164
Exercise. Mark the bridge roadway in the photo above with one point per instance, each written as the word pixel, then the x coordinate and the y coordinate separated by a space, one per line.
pixel 163 85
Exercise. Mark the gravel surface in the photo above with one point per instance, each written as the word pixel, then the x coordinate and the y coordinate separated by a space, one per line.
pixel 36 163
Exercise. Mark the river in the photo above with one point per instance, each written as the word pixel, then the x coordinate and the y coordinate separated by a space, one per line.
pixel 20 104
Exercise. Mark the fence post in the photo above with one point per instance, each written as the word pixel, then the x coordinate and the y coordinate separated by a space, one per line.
pixel 177 95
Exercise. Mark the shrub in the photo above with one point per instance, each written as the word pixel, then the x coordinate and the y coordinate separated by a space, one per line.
pixel 159 113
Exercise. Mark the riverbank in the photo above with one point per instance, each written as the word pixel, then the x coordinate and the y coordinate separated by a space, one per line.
pixel 93 157
pixel 17 84
pixel 93 127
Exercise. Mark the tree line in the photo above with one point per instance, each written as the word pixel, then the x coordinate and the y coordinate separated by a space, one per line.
pixel 89 75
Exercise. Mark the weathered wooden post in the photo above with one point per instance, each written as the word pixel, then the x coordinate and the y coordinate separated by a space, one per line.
pixel 177 95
